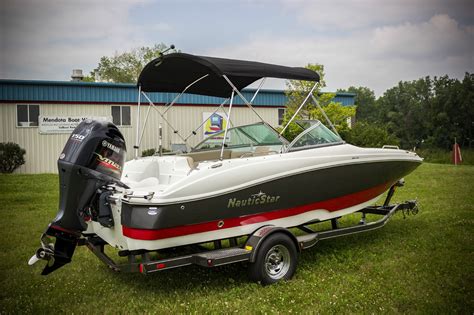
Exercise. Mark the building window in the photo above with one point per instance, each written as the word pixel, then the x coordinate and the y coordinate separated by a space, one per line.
pixel 281 115
pixel 27 115
pixel 121 115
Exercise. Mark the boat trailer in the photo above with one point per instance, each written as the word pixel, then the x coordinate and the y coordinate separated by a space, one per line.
pixel 141 261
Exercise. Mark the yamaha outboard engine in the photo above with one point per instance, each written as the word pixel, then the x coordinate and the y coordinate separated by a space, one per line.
pixel 93 158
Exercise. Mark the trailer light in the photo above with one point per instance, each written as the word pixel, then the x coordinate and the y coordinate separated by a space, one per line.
pixel 248 247
pixel 209 262
pixel 160 266
pixel 140 267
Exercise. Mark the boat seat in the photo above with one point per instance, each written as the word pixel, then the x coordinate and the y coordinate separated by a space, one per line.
pixel 261 151
pixel 190 161
pixel 238 154
pixel 208 155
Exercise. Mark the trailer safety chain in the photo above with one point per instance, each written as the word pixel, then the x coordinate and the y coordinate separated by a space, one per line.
pixel 411 210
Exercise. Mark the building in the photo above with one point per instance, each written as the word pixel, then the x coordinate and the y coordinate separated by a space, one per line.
pixel 39 115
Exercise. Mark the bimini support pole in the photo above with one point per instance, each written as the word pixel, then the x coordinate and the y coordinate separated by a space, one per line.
pixel 144 125
pixel 202 123
pixel 243 98
pixel 137 138
pixel 162 116
pixel 221 106
pixel 258 90
pixel 325 116
pixel 185 89
pixel 299 108
pixel 227 125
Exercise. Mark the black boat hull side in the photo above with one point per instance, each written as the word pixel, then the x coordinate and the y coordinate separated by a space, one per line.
pixel 284 193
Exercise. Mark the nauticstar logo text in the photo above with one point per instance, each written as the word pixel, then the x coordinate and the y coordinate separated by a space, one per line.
pixel 258 199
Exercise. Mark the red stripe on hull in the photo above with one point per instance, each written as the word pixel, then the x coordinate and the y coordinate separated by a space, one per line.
pixel 334 204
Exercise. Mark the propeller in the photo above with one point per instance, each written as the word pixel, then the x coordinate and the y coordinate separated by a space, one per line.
pixel 42 254
pixel 33 260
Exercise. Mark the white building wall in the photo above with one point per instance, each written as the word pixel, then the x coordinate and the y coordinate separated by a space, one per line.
pixel 42 150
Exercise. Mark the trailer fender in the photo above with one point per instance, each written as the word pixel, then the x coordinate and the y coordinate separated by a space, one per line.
pixel 257 238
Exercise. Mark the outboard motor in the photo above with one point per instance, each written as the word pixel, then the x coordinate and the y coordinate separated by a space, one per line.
pixel 93 158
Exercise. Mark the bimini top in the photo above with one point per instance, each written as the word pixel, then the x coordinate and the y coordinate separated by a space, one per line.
pixel 174 72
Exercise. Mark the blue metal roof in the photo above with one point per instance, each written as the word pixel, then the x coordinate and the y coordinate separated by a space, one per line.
pixel 99 92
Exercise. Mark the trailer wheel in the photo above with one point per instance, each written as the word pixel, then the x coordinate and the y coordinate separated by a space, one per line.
pixel 276 260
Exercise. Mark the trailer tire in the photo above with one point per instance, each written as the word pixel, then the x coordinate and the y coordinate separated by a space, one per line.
pixel 276 260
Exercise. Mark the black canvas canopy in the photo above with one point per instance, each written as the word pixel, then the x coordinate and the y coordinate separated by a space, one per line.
pixel 174 72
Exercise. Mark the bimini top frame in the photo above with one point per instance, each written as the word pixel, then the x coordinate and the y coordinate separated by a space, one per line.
pixel 185 73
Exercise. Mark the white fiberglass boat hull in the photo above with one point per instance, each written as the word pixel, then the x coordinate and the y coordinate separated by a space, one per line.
pixel 279 189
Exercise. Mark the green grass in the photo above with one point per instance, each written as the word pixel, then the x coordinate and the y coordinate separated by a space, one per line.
pixel 421 264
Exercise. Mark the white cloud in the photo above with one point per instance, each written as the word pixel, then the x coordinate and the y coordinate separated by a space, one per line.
pixel 377 58
pixel 440 36
pixel 46 39
pixel 363 42
pixel 346 15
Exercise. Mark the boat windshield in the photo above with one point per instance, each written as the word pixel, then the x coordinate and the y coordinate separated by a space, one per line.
pixel 316 135
pixel 259 134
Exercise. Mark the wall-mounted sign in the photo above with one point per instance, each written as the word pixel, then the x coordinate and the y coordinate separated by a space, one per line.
pixel 215 123
pixel 63 124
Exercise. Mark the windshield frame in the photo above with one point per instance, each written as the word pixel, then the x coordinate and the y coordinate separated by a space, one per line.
pixel 284 142
pixel 307 131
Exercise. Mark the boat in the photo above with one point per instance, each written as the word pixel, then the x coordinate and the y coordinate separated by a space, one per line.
pixel 232 184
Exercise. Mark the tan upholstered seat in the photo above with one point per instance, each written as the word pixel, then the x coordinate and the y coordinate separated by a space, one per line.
pixel 259 151
pixel 209 155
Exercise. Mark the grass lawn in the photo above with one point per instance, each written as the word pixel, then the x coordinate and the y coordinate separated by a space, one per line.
pixel 421 264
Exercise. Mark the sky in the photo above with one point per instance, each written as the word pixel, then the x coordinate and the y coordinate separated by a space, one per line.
pixel 369 43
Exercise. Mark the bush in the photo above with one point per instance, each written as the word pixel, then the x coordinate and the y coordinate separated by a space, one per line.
pixel 365 134
pixel 11 157
pixel 151 152
pixel 148 152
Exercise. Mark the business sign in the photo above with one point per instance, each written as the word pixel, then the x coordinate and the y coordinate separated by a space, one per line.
pixel 214 124
pixel 63 124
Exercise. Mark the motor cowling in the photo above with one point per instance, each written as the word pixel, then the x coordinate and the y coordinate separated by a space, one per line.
pixel 93 157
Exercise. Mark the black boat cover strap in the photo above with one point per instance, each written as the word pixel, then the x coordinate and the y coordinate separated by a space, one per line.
pixel 173 72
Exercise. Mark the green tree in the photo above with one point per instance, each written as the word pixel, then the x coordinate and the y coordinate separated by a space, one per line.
pixel 365 134
pixel 403 111
pixel 126 67
pixel 430 111
pixel 365 102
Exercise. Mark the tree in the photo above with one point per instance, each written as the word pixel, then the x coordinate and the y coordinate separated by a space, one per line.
pixel 403 111
pixel 367 109
pixel 125 67
pixel 370 135
pixel 296 93
pixel 430 111
pixel 452 112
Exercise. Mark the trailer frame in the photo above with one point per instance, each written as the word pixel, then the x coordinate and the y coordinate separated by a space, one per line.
pixel 141 261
